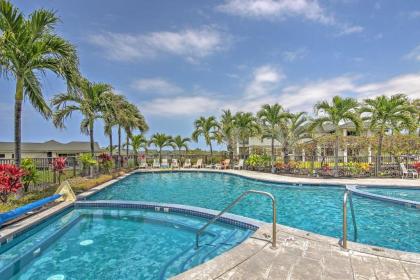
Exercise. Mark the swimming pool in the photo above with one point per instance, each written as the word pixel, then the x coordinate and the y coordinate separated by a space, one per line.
pixel 103 243
pixel 312 208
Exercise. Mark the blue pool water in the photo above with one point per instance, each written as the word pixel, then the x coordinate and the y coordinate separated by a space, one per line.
pixel 407 194
pixel 312 208
pixel 114 244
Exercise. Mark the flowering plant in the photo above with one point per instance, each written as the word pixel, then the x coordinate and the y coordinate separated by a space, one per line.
pixel 59 164
pixel 416 166
pixel 10 176
pixel 105 162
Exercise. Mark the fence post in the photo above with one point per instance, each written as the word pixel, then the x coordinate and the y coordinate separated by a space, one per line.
pixel 74 166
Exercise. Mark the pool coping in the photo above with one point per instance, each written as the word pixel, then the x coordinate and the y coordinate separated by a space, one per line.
pixel 7 233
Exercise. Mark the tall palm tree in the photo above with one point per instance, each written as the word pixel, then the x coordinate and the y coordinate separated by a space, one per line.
pixel 138 142
pixel 208 128
pixel 293 128
pixel 161 140
pixel 227 129
pixel 28 47
pixel 129 119
pixel 110 116
pixel 339 111
pixel 89 99
pixel 179 143
pixel 270 117
pixel 383 113
pixel 246 126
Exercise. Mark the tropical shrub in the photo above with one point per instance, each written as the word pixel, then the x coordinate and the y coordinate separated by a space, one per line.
pixel 255 160
pixel 105 162
pixel 58 165
pixel 87 161
pixel 10 180
pixel 31 174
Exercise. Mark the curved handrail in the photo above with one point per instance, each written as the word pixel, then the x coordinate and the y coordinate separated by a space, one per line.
pixel 233 203
pixel 348 197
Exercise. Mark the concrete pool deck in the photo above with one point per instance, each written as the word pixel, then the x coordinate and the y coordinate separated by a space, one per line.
pixel 303 255
pixel 377 182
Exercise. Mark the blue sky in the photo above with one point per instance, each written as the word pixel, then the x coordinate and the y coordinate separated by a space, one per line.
pixel 178 60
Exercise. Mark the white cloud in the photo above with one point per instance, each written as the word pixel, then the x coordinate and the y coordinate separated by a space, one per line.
pixel 276 9
pixel 265 79
pixel 191 44
pixel 414 14
pixel 408 84
pixel 182 106
pixel 414 54
pixel 295 54
pixel 283 9
pixel 347 29
pixel 156 86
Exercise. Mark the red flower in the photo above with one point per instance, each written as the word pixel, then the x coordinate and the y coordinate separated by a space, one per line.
pixel 59 164
pixel 9 180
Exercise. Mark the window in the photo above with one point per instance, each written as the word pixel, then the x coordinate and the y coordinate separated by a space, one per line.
pixel 2 155
pixel 351 133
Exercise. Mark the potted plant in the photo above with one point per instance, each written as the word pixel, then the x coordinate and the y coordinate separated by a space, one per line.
pixel 87 164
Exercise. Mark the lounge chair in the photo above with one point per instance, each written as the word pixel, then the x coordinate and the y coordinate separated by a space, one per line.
pixel 164 163
pixel 211 165
pixel 156 163
pixel 224 165
pixel 187 163
pixel 198 164
pixel 240 165
pixel 143 164
pixel 405 172
pixel 174 163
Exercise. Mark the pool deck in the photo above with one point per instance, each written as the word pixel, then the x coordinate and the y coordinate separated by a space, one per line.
pixel 303 255
pixel 379 182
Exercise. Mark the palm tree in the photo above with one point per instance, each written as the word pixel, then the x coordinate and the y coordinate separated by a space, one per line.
pixel 227 127
pixel 89 99
pixel 29 46
pixel 340 111
pixel 138 142
pixel 385 113
pixel 246 126
pixel 110 115
pixel 178 143
pixel 270 117
pixel 161 140
pixel 293 128
pixel 208 128
pixel 129 119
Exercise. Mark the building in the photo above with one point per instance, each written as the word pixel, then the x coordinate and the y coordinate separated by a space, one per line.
pixel 47 149
pixel 263 146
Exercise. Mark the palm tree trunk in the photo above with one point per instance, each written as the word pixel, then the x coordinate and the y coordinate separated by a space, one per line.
pixel 379 154
pixel 119 141
pixel 160 155
pixel 18 119
pixel 127 147
pixel 136 162
pixel 336 156
pixel 110 144
pixel 272 152
pixel 92 143
pixel 211 153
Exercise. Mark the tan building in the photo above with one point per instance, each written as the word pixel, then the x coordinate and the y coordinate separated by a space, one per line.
pixel 263 146
pixel 47 149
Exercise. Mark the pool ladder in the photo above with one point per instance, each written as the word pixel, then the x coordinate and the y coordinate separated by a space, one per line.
pixel 348 198
pixel 233 203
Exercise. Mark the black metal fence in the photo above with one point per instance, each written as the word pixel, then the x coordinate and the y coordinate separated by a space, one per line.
pixel 350 166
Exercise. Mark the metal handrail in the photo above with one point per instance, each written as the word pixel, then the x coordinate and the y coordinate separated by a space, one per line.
pixel 233 203
pixel 348 197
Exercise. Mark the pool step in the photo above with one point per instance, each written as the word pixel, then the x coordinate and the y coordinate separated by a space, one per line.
pixel 208 249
